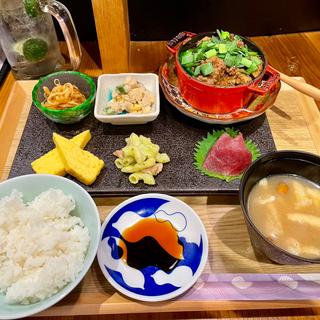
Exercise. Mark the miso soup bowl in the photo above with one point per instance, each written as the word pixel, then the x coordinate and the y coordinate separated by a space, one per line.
pixel 306 165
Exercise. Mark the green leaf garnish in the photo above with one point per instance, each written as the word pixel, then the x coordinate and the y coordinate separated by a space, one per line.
pixel 121 89
pixel 204 146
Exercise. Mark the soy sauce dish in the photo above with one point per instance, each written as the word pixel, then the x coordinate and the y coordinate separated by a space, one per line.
pixel 280 199
pixel 153 247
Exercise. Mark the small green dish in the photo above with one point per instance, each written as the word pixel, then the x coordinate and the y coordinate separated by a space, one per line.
pixel 71 115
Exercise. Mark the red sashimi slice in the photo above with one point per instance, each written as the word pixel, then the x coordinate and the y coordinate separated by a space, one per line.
pixel 229 156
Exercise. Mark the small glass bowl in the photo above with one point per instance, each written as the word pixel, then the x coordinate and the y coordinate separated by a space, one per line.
pixel 71 115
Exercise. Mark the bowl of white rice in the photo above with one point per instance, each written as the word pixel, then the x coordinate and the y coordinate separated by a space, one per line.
pixel 49 235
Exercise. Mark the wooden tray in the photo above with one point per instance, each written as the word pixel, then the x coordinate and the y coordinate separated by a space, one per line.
pixel 175 133
pixel 295 123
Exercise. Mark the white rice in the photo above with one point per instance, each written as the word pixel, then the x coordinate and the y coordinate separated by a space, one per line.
pixel 42 247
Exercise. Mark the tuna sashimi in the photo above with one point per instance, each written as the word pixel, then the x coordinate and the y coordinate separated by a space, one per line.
pixel 229 156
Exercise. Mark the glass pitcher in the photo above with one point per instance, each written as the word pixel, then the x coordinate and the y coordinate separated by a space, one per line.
pixel 28 37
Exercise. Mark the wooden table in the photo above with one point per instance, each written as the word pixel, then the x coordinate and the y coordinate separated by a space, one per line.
pixel 296 55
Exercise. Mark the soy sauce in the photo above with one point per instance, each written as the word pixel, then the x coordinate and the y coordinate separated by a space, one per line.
pixel 151 242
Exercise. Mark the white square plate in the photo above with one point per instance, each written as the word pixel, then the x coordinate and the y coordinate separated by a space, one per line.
pixel 108 82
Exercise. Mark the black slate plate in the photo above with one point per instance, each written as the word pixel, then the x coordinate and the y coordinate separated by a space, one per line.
pixel 175 133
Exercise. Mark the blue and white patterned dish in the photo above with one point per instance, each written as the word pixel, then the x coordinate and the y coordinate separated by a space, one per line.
pixel 152 283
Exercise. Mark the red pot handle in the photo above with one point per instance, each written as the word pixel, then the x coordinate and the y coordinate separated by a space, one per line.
pixel 274 77
pixel 174 44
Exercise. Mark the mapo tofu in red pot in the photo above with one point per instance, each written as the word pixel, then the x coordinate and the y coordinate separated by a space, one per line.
pixel 219 72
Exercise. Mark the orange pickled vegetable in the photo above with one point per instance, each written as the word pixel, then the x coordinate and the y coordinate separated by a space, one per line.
pixel 282 188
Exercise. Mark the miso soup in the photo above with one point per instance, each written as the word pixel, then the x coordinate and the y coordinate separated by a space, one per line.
pixel 286 210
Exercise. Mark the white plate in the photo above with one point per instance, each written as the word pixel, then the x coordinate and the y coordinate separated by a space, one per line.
pixel 150 283
pixel 108 82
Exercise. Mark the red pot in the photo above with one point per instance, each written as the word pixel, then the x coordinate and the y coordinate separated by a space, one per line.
pixel 215 99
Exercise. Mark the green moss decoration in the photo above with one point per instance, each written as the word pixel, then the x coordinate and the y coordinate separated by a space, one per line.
pixel 204 146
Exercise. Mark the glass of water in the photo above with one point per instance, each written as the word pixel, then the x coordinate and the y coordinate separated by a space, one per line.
pixel 28 37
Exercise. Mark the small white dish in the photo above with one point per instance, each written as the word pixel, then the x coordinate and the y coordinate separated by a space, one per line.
pixel 136 268
pixel 108 82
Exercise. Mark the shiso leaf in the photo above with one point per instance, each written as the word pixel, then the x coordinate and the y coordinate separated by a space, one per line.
pixel 204 146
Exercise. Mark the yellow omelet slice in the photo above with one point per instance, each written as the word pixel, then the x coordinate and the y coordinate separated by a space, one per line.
pixel 81 164
pixel 51 162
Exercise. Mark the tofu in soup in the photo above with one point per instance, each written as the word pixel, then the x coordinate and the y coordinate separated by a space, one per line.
pixel 286 210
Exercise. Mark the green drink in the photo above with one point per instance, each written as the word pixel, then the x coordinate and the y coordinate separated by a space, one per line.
pixel 29 40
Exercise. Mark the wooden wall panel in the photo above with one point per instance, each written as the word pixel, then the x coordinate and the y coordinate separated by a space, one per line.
pixel 112 25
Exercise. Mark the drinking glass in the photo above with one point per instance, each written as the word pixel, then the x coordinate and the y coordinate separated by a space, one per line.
pixel 29 40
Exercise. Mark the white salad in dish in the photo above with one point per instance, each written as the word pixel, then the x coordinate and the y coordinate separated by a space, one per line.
pixel 130 97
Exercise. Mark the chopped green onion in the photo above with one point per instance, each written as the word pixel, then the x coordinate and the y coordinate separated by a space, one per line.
pixel 191 64
pixel 252 68
pixel 206 68
pixel 204 44
pixel 231 46
pixel 214 39
pixel 222 48
pixel 238 59
pixel 188 58
pixel 229 60
pixel 211 53
pixel 219 34
pixel 197 71
pixel 256 60
pixel 246 62
pixel 189 70
pixel 225 35
pixel 198 56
